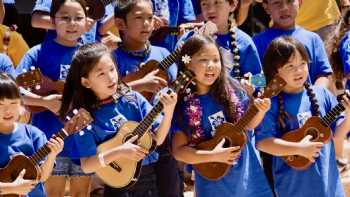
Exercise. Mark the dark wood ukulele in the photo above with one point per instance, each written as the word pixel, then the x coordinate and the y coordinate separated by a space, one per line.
pixel 124 172
pixel 80 120
pixel 320 131
pixel 234 135
pixel 30 80
pixel 96 8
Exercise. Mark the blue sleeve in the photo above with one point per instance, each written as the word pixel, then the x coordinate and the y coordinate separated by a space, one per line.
pixel 43 6
pixel 259 47
pixel 267 127
pixel 6 65
pixel 344 52
pixel 250 60
pixel 29 59
pixel 172 70
pixel 85 143
pixel 186 12
pixel 38 137
pixel 323 67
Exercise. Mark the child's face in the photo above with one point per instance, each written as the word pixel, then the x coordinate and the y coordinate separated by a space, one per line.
pixel 103 78
pixel 217 11
pixel 206 65
pixel 282 12
pixel 9 111
pixel 70 21
pixel 294 72
pixel 138 25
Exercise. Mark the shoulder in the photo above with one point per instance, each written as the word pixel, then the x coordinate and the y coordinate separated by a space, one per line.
pixel 159 50
pixel 5 60
pixel 308 34
pixel 33 132
pixel 244 37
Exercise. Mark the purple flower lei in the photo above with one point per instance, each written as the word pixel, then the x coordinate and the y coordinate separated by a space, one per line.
pixel 194 113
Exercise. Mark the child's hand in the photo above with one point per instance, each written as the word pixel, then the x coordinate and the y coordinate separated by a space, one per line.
pixel 56 145
pixel 160 21
pixel 19 186
pixel 346 102
pixel 53 102
pixel 153 83
pixel 225 155
pixel 263 105
pixel 169 102
pixel 247 86
pixel 132 151
pixel 308 149
pixel 111 40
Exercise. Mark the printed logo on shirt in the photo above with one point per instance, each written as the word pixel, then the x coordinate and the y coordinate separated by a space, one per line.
pixel 215 120
pixel 303 117
pixel 64 71
pixel 118 121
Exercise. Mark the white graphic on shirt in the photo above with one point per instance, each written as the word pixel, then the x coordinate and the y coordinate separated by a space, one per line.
pixel 118 121
pixel 215 120
pixel 64 71
pixel 303 117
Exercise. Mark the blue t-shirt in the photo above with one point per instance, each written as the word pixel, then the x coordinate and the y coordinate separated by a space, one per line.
pixel 344 52
pixel 244 179
pixel 249 59
pixel 129 63
pixel 89 37
pixel 54 61
pixel 6 65
pixel 319 64
pixel 107 121
pixel 322 178
pixel 26 140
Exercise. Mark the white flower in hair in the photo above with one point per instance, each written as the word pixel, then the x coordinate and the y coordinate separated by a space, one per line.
pixel 186 59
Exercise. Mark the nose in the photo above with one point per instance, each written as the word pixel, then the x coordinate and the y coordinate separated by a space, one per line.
pixel 210 65
pixel 284 5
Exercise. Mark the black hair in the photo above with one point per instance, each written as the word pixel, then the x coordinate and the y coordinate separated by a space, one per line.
pixel 125 6
pixel 8 87
pixel 56 5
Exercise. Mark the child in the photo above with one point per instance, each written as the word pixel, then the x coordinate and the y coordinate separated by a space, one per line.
pixel 134 19
pixel 217 99
pixel 239 53
pixel 289 110
pixel 54 57
pixel 17 138
pixel 283 14
pixel 94 80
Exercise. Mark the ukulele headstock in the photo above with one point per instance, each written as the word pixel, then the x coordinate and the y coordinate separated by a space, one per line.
pixel 78 121
pixel 31 79
pixel 274 87
pixel 183 79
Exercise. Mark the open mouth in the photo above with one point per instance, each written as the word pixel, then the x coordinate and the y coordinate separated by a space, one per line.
pixel 209 75
pixel 112 85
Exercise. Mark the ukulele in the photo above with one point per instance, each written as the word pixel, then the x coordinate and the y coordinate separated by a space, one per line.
pixel 96 8
pixel 234 135
pixel 320 131
pixel 37 83
pixel 123 172
pixel 208 28
pixel 80 120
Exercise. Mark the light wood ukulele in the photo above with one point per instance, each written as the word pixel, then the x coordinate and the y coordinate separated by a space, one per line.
pixel 234 135
pixel 320 131
pixel 80 120
pixel 125 172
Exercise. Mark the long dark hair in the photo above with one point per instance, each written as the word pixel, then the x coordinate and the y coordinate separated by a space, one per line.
pixel 56 5
pixel 8 87
pixel 277 55
pixel 75 95
pixel 222 88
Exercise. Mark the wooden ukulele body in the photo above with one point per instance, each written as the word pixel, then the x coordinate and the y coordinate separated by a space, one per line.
pixel 19 162
pixel 123 172
pixel 216 170
pixel 143 71
pixel 319 133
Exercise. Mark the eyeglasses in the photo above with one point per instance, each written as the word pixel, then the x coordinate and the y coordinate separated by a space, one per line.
pixel 67 19
pixel 293 68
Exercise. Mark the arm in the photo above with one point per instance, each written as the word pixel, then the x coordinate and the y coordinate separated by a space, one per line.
pixel 56 146
pixel 2 11
pixel 106 25
pixel 19 186
pixel 263 105
pixel 342 130
pixel 42 20
pixel 323 81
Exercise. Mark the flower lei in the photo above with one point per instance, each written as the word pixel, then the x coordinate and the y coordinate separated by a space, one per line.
pixel 194 113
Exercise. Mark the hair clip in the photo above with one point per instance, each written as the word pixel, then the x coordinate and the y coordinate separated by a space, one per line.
pixel 186 59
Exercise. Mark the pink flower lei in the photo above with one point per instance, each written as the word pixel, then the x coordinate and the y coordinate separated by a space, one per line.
pixel 194 113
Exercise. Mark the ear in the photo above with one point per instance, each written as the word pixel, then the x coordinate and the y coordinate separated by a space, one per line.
pixel 120 23
pixel 266 8
pixel 233 5
pixel 85 82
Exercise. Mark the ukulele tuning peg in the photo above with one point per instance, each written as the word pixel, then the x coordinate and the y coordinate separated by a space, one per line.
pixel 75 111
pixel 81 132
pixel 193 83
pixel 68 118
pixel 32 68
pixel 188 90
pixel 24 70
pixel 37 87
pixel 89 127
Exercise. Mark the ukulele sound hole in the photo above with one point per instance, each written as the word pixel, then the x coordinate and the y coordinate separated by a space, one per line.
pixel 227 143
pixel 314 133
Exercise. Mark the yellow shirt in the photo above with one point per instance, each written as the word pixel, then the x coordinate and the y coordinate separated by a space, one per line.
pixel 17 46
pixel 315 14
